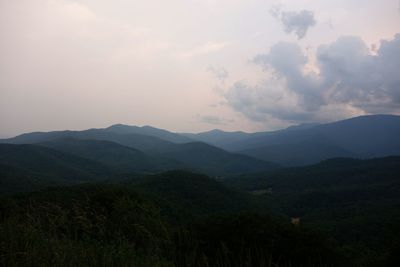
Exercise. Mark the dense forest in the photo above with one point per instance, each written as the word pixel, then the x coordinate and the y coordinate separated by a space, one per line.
pixel 184 219
pixel 141 196
pixel 109 225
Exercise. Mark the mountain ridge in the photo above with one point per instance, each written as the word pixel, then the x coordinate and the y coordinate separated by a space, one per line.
pixel 359 137
pixel 362 137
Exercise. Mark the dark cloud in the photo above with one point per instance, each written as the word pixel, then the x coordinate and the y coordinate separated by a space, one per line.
pixel 350 80
pixel 355 76
pixel 296 22
pixel 288 61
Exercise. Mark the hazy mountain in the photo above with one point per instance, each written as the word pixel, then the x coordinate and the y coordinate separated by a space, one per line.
pixel 217 137
pixel 212 160
pixel 28 167
pixel 150 131
pixel 142 142
pixel 299 153
pixel 112 154
pixel 225 140
pixel 361 137
pixel 102 134
pixel 367 136
pixel 302 126
pixel 161 154
pixel 290 146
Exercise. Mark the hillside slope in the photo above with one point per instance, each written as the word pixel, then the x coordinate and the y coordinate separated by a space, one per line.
pixel 356 201
pixel 212 160
pixel 162 154
pixel 120 157
pixel 150 131
pixel 360 137
pixel 195 195
pixel 29 167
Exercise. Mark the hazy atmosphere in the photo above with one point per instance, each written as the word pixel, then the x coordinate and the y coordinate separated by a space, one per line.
pixel 195 65
pixel 193 133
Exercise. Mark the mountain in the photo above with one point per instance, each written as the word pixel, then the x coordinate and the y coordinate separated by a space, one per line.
pixel 142 142
pixel 195 156
pixel 328 174
pixel 217 137
pixel 150 131
pixel 355 201
pixel 225 140
pixel 102 134
pixel 367 136
pixel 215 161
pixel 185 195
pixel 14 179
pixel 119 157
pixel 360 137
pixel 299 153
pixel 301 126
pixel 29 167
pixel 160 154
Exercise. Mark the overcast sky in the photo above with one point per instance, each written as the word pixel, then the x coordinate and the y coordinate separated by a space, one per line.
pixel 195 65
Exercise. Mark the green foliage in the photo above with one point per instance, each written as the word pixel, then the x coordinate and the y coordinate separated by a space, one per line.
pixel 254 240
pixel 215 161
pixel 357 202
pixel 119 157
pixel 81 226
pixel 31 167
pixel 163 219
pixel 108 225
pixel 186 196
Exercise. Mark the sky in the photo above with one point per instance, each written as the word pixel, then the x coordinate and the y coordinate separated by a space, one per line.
pixel 195 65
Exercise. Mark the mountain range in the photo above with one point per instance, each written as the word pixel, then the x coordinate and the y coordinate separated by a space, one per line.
pixel 217 152
pixel 53 157
pixel 360 137
pixel 340 179
pixel 79 156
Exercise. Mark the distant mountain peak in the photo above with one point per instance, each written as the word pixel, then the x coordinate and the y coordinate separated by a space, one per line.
pixel 150 131
pixel 120 125
pixel 215 131
pixel 373 116
pixel 302 126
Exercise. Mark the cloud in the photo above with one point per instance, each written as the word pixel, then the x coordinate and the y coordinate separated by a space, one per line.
pixel 215 120
pixel 221 74
pixel 349 80
pixel 211 120
pixel 353 75
pixel 288 62
pixel 296 22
